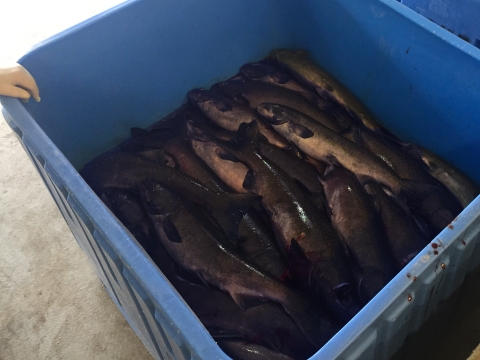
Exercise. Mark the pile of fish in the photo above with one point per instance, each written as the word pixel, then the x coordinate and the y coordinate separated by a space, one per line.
pixel 276 205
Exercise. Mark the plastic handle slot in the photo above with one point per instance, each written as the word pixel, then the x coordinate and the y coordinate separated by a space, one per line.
pixel 155 330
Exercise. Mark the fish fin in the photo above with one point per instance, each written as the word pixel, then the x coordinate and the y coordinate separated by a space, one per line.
pixel 332 159
pixel 302 186
pixel 325 93
pixel 422 225
pixel 239 98
pixel 298 260
pixel 231 211
pixel 249 180
pixel 247 138
pixel 301 131
pixel 352 133
pixel 203 280
pixel 189 277
pixel 196 132
pixel 222 105
pixel 319 199
pixel 170 230
pixel 137 132
pixel 414 151
pixel 246 301
pixel 225 155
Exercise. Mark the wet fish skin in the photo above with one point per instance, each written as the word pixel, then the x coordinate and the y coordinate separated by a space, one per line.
pixel 255 93
pixel 256 241
pixel 464 189
pixel 297 169
pixel 128 209
pixel 191 246
pixel 229 114
pixel 266 323
pixel 232 173
pixel 405 238
pixel 128 171
pixel 403 164
pixel 360 228
pixel 242 350
pixel 322 144
pixel 270 75
pixel 304 70
pixel 303 232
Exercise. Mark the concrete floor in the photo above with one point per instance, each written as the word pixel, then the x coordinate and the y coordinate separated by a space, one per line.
pixel 52 305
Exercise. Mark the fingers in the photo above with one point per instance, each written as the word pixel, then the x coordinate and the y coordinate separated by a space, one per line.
pixel 14 91
pixel 26 81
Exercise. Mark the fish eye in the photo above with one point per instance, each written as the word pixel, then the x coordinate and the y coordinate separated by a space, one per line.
pixel 157 186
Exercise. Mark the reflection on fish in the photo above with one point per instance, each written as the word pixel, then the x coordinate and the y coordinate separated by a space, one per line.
pixel 242 350
pixel 255 93
pixel 229 114
pixel 303 232
pixel 307 72
pixel 321 143
pixel 360 228
pixel 404 236
pixel 197 250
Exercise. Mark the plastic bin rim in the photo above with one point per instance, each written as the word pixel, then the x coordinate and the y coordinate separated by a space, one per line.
pixel 91 203
pixel 124 247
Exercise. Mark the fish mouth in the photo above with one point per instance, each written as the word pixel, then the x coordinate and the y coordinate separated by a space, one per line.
pixel 272 113
pixel 255 71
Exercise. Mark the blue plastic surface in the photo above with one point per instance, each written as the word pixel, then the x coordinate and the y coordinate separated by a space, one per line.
pixel 133 64
pixel 461 17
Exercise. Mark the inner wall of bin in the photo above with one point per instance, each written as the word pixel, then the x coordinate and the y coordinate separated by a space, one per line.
pixel 421 87
pixel 132 66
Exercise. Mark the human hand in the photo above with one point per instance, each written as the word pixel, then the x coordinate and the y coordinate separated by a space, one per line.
pixel 16 81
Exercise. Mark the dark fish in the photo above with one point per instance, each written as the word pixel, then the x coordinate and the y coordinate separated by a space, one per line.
pixel 128 171
pixel 297 169
pixel 242 350
pixel 360 228
pixel 128 209
pixel 404 236
pixel 268 74
pixel 303 232
pixel 266 324
pixel 464 189
pixel 304 70
pixel 255 93
pixel 403 164
pixel 189 164
pixel 229 114
pixel 225 166
pixel 321 143
pixel 256 241
pixel 195 249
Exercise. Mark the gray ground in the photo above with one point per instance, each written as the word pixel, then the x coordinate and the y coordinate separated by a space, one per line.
pixel 52 305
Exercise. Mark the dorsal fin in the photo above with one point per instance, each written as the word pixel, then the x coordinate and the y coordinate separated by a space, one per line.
pixel 247 139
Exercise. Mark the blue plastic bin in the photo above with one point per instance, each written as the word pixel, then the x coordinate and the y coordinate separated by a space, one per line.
pixel 460 17
pixel 135 63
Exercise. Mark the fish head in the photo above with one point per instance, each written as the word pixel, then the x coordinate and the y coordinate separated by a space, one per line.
pixel 274 114
pixel 263 72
